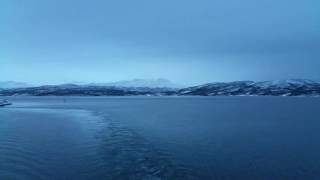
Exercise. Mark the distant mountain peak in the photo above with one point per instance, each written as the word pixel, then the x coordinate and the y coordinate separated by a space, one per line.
pixel 13 84
pixel 151 83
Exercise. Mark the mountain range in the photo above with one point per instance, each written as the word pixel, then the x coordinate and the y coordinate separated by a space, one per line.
pixel 150 83
pixel 292 87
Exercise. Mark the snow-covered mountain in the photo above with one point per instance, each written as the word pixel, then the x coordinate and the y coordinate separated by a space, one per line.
pixel 120 88
pixel 150 83
pixel 84 90
pixel 13 84
pixel 292 87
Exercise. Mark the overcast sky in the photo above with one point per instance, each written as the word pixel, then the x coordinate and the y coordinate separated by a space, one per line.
pixel 186 41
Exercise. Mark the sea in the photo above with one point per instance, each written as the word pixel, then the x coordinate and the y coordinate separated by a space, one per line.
pixel 160 138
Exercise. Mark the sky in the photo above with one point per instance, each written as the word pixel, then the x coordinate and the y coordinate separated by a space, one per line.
pixel 186 41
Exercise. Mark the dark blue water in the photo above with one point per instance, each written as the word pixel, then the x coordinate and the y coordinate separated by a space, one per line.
pixel 160 138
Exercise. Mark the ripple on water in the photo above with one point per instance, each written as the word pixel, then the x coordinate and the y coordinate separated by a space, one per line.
pixel 76 144
pixel 131 156
pixel 17 163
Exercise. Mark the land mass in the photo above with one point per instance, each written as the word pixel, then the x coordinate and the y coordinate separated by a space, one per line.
pixel 293 87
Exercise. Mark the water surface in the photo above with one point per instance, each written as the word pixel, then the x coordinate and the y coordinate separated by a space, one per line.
pixel 160 138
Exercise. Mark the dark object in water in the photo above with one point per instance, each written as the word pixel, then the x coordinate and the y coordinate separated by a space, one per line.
pixel 4 103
